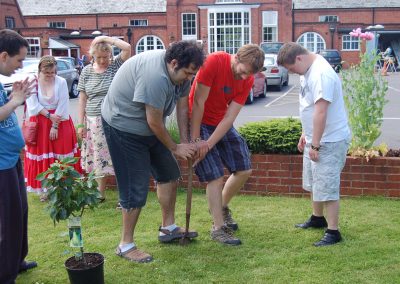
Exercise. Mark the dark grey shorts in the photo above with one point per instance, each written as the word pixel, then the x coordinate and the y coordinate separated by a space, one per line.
pixel 231 151
pixel 135 158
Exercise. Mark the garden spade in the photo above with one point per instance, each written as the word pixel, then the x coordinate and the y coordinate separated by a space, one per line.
pixel 185 238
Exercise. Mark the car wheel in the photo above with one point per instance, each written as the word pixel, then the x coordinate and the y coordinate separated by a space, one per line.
pixel 74 90
pixel 250 98
pixel 264 93
pixel 287 81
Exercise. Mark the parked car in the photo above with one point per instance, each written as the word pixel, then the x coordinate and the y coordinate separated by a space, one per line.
pixel 30 66
pixel 73 61
pixel 333 57
pixel 271 47
pixel 259 89
pixel 276 75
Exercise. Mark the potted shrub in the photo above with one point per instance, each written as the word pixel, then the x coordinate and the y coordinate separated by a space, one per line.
pixel 69 195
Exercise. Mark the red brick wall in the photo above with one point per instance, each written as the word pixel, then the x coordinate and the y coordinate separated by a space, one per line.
pixel 282 175
pixel 9 8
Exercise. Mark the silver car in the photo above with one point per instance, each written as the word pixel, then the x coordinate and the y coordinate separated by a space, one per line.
pixel 276 75
pixel 30 67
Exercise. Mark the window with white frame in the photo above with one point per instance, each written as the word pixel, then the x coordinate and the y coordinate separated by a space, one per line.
pixel 10 22
pixel 149 43
pixel 57 25
pixel 138 23
pixel 329 18
pixel 350 43
pixel 312 41
pixel 270 26
pixel 34 46
pixel 228 31
pixel 189 29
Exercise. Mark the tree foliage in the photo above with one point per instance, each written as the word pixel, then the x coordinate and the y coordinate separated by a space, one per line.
pixel 69 192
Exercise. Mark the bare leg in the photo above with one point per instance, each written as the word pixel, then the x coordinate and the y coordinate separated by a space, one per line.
pixel 129 221
pixel 214 196
pixel 332 212
pixel 232 186
pixel 102 186
pixel 384 68
pixel 318 208
pixel 166 193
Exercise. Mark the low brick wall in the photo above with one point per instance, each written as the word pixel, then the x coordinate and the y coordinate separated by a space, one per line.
pixel 282 175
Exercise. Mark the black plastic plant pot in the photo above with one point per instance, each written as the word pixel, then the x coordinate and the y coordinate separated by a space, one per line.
pixel 90 273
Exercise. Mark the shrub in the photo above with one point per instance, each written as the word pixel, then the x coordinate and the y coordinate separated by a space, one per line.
pixel 69 194
pixel 275 136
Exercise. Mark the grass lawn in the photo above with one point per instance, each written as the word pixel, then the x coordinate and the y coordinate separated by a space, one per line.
pixel 273 250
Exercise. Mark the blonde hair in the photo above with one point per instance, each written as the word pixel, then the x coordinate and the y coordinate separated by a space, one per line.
pixel 47 61
pixel 253 55
pixel 100 46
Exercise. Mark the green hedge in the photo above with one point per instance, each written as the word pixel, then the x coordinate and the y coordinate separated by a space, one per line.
pixel 275 136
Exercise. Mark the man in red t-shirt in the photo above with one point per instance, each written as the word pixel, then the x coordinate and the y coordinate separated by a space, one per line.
pixel 219 91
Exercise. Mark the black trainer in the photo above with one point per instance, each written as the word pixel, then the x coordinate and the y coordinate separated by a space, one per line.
pixel 26 265
pixel 329 239
pixel 313 222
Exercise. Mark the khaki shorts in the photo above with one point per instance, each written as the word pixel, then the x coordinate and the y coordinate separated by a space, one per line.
pixel 322 178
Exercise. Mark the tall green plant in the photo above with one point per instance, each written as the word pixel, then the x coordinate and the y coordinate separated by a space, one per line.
pixel 365 92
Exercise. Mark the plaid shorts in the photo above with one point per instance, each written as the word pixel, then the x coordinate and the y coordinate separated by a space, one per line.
pixel 231 151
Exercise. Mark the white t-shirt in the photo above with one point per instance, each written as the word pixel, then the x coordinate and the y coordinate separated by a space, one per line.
pixel 322 82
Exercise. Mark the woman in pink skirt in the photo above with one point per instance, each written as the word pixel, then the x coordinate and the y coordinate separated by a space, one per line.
pixel 56 133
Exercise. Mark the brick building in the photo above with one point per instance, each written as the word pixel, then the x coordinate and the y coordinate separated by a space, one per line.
pixel 324 24
pixel 59 28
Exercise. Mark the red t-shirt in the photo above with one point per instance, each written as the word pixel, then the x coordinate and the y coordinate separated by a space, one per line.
pixel 217 74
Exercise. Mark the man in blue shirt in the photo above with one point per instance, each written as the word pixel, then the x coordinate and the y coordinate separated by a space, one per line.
pixel 13 200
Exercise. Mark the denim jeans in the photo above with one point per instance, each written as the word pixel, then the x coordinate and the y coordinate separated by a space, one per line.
pixel 135 158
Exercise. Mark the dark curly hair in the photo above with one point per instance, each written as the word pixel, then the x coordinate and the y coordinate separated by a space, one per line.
pixel 11 42
pixel 186 52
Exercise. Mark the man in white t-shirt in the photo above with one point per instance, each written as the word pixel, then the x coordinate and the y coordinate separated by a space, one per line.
pixel 325 136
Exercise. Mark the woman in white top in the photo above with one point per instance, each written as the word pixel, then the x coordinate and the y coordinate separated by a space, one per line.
pixel 56 133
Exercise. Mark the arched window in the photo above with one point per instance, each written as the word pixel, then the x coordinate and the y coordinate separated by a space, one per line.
pixel 312 41
pixel 149 43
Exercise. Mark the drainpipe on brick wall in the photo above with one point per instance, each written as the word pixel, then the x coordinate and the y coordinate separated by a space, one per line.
pixel 293 22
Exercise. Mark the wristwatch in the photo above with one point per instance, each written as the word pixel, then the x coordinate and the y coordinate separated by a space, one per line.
pixel 315 148
pixel 198 139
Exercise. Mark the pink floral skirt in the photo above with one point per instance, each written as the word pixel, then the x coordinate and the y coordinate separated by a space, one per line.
pixel 95 154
